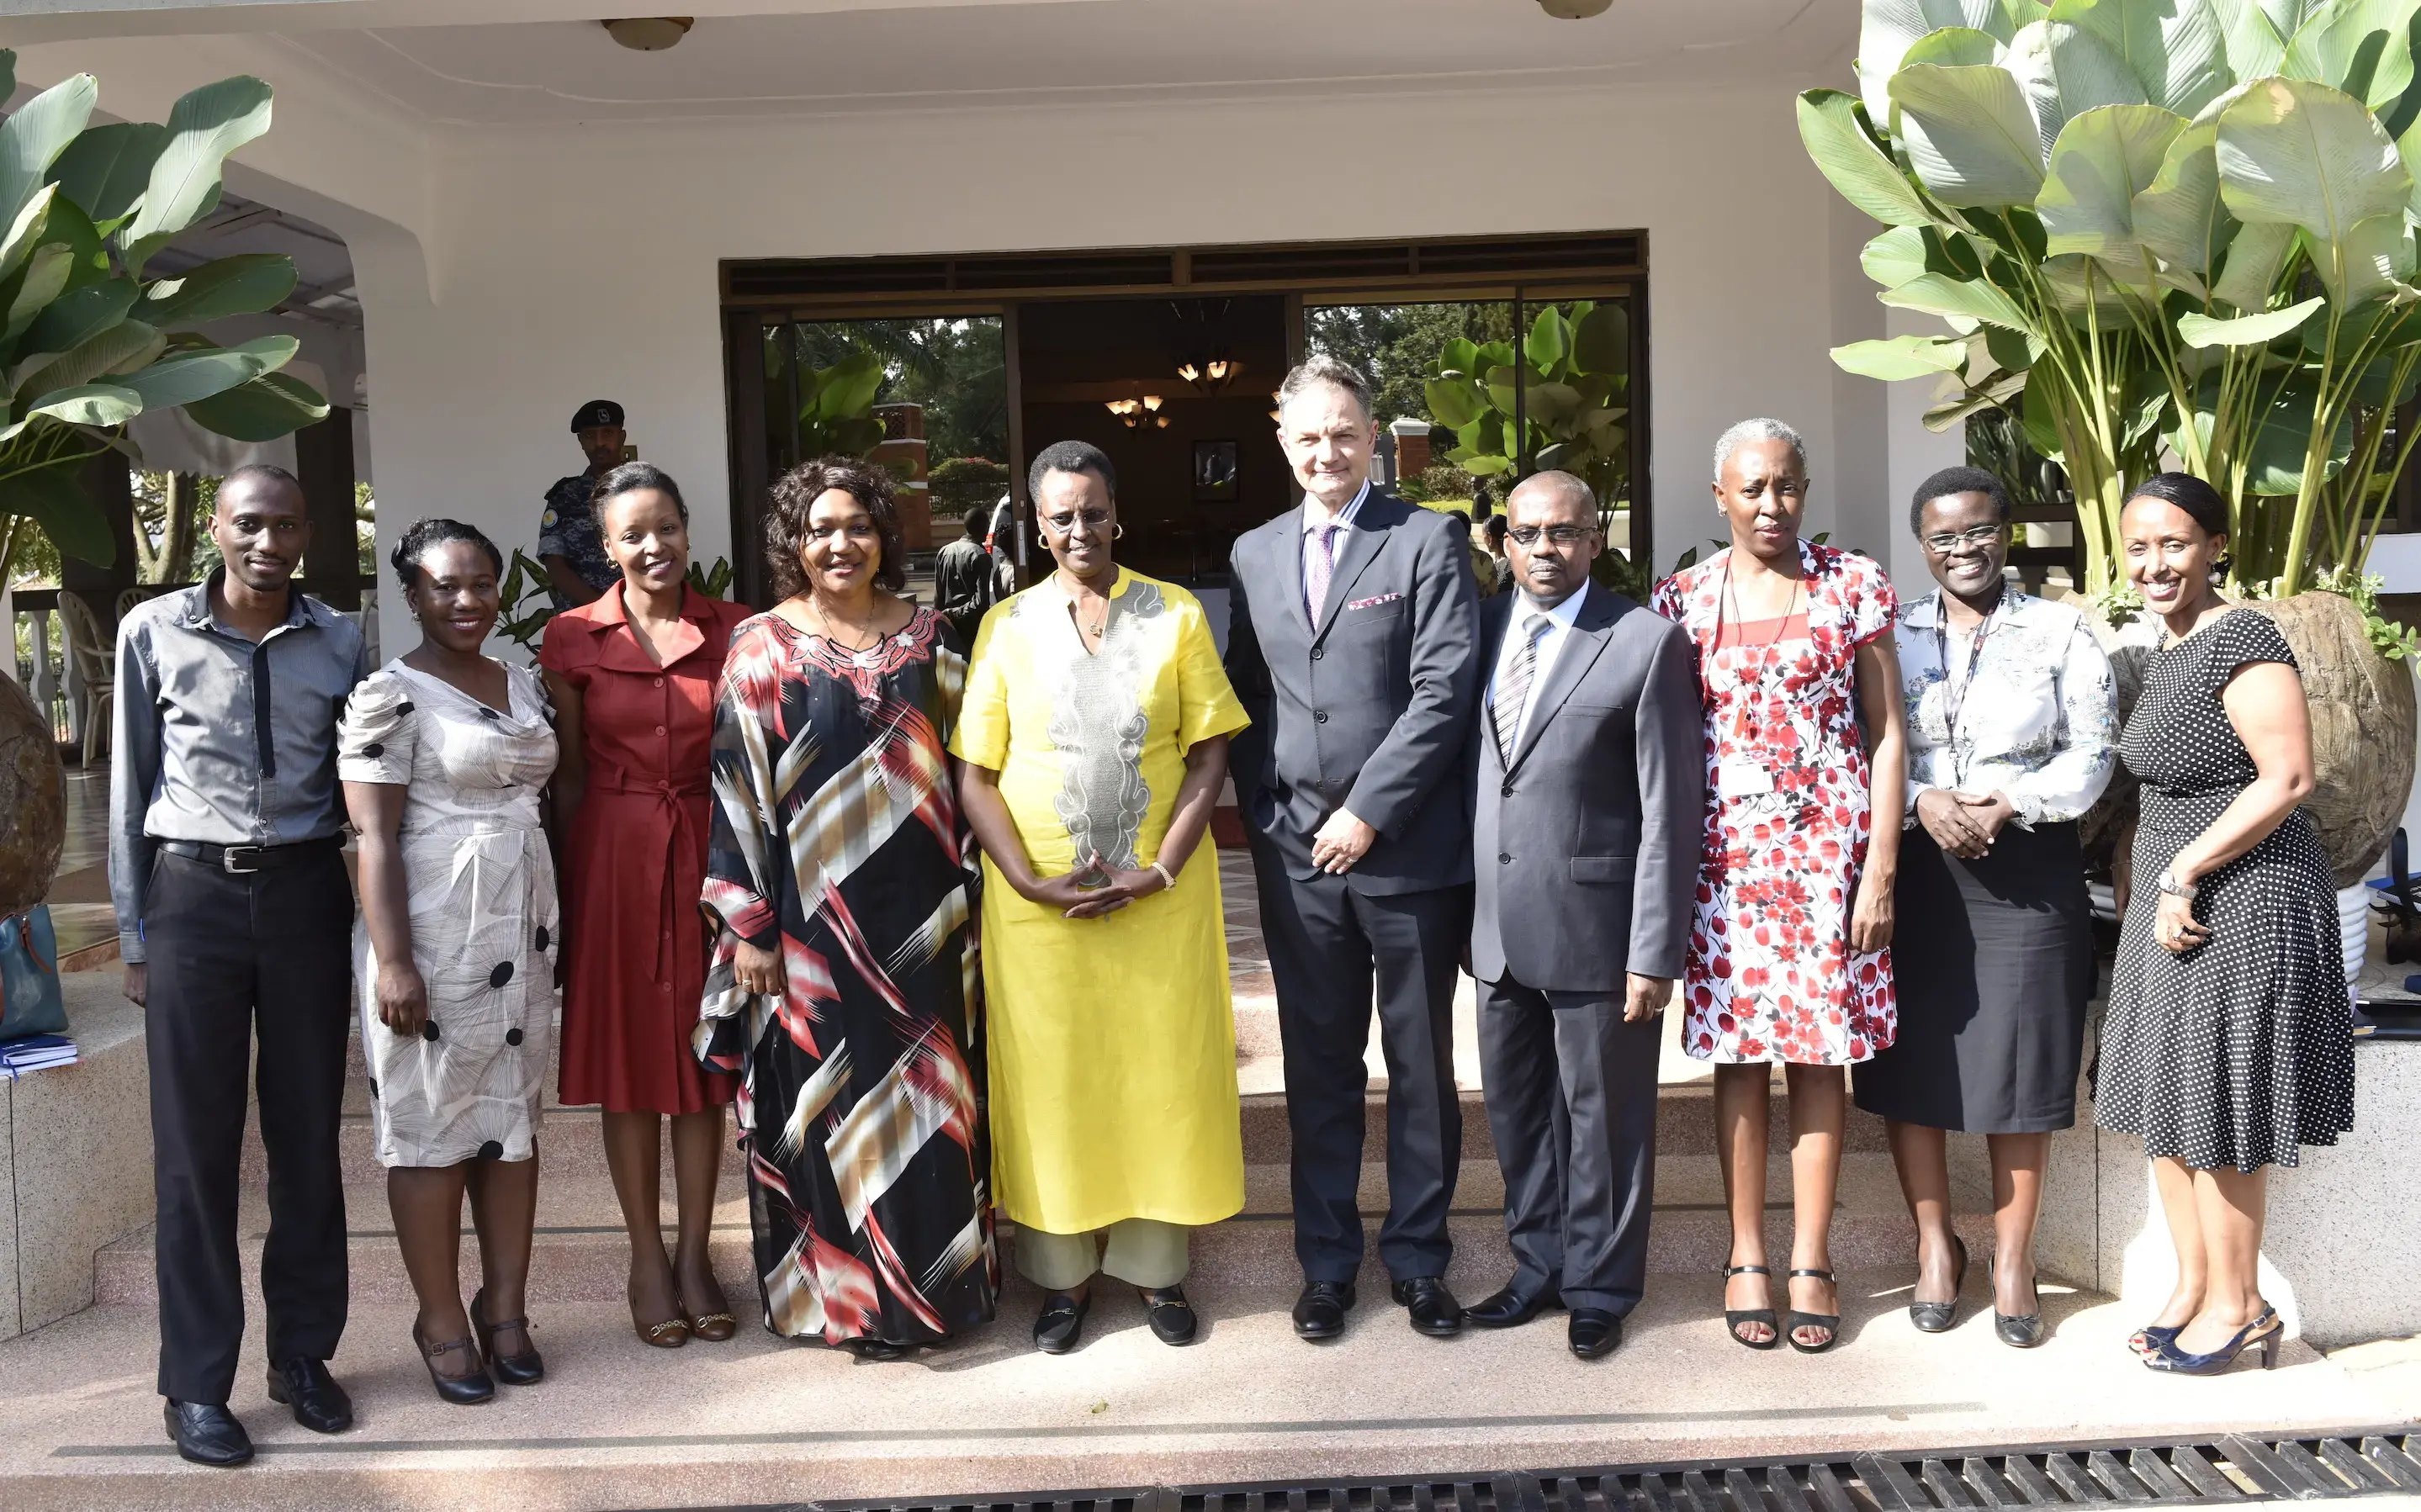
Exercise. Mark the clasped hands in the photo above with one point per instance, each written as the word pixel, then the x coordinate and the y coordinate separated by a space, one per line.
pixel 1963 825
pixel 1341 841
pixel 1093 890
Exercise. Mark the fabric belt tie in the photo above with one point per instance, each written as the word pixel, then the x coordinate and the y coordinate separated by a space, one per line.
pixel 606 777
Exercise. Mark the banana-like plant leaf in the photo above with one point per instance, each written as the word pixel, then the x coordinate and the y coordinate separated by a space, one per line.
pixel 2291 150
pixel 2103 159
pixel 2175 48
pixel 105 169
pixel 71 321
pixel 2178 215
pixel 2073 278
pixel 1895 257
pixel 2035 411
pixel 89 404
pixel 1899 357
pixel 2256 46
pixel 1548 342
pixel 66 224
pixel 52 499
pixel 2028 60
pixel 2198 329
pixel 1971 137
pixel 31 139
pixel 242 285
pixel 120 349
pixel 261 409
pixel 1460 356
pixel 2275 455
pixel 1453 402
pixel 26 231
pixel 2090 75
pixel 43 277
pixel 1846 156
pixel 203 128
pixel 2373 257
pixel 1956 46
pixel 1935 294
pixel 1887 28
pixel 183 377
pixel 2255 256
pixel 1602 341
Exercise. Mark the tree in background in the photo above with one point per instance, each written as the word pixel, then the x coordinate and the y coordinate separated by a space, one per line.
pixel 956 368
pixel 1397 345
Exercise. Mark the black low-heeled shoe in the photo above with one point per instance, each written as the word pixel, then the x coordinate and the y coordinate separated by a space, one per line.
pixel 1735 1316
pixel 1170 1315
pixel 525 1369
pixel 1793 1321
pixel 463 1391
pixel 878 1349
pixel 1061 1323
pixel 2019 1330
pixel 1937 1318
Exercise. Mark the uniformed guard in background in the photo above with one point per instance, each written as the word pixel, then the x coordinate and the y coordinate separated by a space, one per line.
pixel 569 543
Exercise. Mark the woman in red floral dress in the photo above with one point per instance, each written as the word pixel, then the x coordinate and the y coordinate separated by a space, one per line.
pixel 1789 956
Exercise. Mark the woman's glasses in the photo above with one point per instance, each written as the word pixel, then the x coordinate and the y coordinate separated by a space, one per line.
pixel 1976 539
pixel 1093 519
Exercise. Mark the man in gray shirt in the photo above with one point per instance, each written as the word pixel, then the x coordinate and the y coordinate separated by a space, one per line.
pixel 234 909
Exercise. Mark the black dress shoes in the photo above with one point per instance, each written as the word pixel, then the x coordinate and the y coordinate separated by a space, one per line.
pixel 1595 1333
pixel 206 1433
pixel 1434 1310
pixel 1509 1309
pixel 1170 1315
pixel 1319 1312
pixel 318 1402
pixel 1061 1322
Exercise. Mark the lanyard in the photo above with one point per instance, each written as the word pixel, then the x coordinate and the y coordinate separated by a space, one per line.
pixel 1756 724
pixel 1954 692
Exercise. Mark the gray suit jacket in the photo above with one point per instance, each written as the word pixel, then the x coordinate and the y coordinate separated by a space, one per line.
pixel 1587 844
pixel 1371 713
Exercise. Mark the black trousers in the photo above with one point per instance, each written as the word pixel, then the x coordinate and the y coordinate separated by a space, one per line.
pixel 1329 947
pixel 1571 1101
pixel 228 953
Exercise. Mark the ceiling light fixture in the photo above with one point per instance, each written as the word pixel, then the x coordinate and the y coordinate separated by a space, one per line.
pixel 649 33
pixel 1212 374
pixel 1575 9
pixel 1138 414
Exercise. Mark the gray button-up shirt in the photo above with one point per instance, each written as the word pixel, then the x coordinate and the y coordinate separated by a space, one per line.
pixel 220 739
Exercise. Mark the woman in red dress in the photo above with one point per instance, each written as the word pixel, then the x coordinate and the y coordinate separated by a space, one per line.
pixel 633 676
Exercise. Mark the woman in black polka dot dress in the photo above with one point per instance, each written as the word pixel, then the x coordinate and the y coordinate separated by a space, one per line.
pixel 2226 1044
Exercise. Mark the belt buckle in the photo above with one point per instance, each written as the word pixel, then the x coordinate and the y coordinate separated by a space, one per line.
pixel 240 860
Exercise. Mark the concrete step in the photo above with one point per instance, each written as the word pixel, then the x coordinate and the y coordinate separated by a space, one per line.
pixel 760 1421
pixel 581 1253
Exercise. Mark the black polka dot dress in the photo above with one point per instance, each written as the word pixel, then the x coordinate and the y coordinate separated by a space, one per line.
pixel 2240 1050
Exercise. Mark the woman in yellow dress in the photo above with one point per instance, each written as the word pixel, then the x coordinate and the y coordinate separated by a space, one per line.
pixel 1091 743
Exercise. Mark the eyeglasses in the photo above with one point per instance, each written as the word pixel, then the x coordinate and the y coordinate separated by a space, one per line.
pixel 1979 537
pixel 1090 519
pixel 1562 536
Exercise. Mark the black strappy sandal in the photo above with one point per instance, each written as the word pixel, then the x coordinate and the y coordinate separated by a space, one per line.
pixel 1734 1317
pixel 1793 1321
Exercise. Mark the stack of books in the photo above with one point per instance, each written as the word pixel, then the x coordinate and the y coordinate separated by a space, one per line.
pixel 35 1053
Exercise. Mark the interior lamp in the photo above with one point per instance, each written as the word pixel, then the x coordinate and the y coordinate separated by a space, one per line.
pixel 649 33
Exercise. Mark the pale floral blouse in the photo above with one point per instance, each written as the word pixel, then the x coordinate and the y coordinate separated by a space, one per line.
pixel 2038 719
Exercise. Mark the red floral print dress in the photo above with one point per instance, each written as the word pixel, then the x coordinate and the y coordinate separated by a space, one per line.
pixel 1772 976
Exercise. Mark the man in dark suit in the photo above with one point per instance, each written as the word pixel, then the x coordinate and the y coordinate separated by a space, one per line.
pixel 1589 762
pixel 1352 643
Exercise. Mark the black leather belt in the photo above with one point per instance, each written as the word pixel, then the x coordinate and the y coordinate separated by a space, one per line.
pixel 240 860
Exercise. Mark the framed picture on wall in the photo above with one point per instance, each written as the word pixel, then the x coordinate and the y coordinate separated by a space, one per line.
pixel 1215 472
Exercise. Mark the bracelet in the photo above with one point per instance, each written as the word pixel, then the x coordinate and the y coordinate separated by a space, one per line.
pixel 1166 882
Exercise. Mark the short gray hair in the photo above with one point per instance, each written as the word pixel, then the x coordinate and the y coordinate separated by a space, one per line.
pixel 1750 431
pixel 1320 368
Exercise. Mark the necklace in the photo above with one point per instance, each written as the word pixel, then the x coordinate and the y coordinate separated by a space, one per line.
pixel 826 621
pixel 1093 630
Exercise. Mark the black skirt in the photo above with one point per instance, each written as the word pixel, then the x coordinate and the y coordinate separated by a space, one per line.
pixel 1994 962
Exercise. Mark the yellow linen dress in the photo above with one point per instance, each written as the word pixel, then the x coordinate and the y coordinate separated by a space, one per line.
pixel 1113 1040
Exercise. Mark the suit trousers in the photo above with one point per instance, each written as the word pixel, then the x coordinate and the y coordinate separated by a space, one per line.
pixel 268 950
pixel 1329 947
pixel 1571 1102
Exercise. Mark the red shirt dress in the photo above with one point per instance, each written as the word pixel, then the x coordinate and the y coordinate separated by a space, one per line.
pixel 635 862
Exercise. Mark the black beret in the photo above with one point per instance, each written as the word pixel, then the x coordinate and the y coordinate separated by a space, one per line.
pixel 596 413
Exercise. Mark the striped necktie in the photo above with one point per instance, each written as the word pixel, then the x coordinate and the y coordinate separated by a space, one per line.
pixel 1317 568
pixel 1513 687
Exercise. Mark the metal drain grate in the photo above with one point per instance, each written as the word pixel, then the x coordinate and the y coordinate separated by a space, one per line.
pixel 2110 1473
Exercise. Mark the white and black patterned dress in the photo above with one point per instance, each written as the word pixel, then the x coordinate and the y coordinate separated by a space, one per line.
pixel 2240 1050
pixel 480 885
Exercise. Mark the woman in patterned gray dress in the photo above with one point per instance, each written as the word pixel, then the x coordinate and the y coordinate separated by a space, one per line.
pixel 2226 1044
pixel 444 755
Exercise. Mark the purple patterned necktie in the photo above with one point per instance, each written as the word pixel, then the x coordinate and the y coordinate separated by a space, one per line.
pixel 1316 571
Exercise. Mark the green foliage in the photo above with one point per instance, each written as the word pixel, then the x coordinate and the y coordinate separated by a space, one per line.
pixel 836 407
pixel 714 582
pixel 2147 225
pixel 957 367
pixel 963 483
pixel 1396 346
pixel 1572 370
pixel 528 597
pixel 87 340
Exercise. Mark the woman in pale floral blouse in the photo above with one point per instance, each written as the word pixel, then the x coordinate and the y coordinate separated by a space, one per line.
pixel 2012 734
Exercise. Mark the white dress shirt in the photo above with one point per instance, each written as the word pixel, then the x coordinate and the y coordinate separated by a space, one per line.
pixel 1559 626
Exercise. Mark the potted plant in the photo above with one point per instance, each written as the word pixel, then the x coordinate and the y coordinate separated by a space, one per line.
pixel 90 338
pixel 2171 233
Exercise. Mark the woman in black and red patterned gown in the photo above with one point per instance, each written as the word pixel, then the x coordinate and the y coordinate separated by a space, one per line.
pixel 844 987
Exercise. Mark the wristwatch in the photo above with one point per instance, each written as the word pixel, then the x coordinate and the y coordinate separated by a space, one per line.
pixel 2171 884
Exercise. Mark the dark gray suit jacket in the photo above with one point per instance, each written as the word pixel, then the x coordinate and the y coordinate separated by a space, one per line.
pixel 1587 846
pixel 1373 712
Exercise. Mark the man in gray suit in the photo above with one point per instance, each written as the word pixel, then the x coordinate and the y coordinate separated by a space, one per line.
pixel 1589 762
pixel 1353 644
